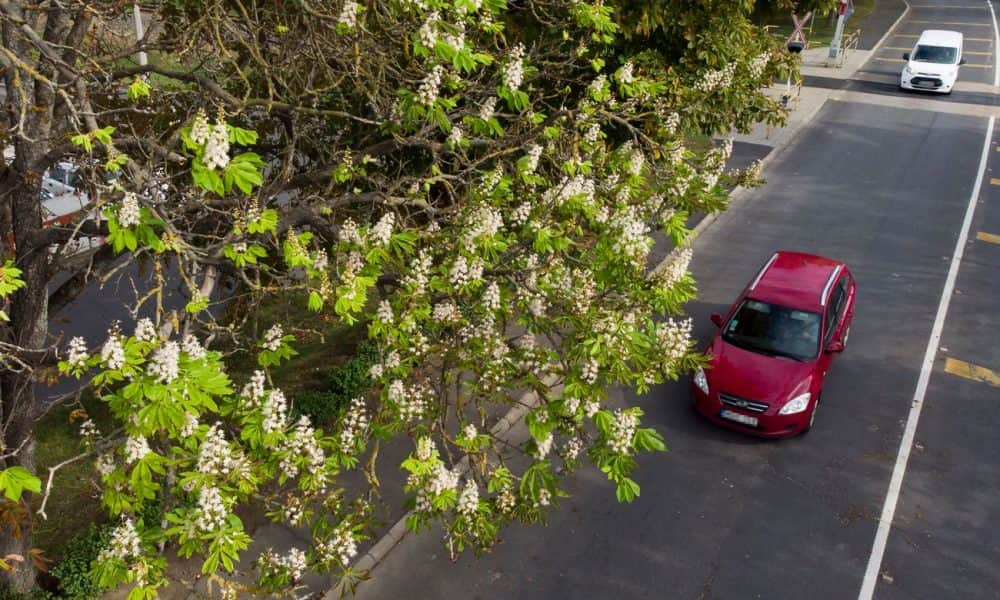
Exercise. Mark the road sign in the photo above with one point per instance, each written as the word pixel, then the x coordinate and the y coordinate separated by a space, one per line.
pixel 797 41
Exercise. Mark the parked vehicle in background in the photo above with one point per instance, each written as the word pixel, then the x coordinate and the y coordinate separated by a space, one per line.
pixel 933 63
pixel 769 359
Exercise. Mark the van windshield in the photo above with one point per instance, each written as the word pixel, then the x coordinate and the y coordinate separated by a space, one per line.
pixel 943 55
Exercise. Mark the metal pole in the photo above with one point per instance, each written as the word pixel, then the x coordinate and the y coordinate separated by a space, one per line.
pixel 839 32
pixel 137 14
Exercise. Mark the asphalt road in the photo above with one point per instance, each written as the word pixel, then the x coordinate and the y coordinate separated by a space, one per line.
pixel 884 188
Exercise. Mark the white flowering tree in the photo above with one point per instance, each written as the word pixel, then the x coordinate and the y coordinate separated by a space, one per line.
pixel 477 184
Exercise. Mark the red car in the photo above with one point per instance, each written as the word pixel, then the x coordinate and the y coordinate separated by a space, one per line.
pixel 769 358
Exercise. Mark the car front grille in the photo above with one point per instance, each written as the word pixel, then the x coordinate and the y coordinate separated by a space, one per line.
pixel 743 403
pixel 926 81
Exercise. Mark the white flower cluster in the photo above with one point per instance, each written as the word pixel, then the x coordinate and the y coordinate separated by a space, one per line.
pixel 468 500
pixel 215 457
pixel 341 546
pixel 597 85
pixel 381 233
pixel 427 93
pixel 464 271
pixel 758 64
pixel 506 499
pixel 593 133
pixel 145 331
pixel 294 562
pixel 135 449
pixel 590 371
pixel 217 145
pixel 633 239
pixel 425 448
pixel 164 365
pixel 354 425
pixel 211 510
pixel 571 449
pixel 77 352
pixel 321 261
pixel 384 312
pixel 411 401
pixel 752 172
pixel 544 447
pixel 491 298
pixel 446 312
pixel 124 544
pixel 716 79
pixel 522 213
pixel 461 9
pixel 416 280
pixel 491 180
pixel 488 108
pixel 625 74
pixel 350 233
pixel 455 136
pixel 469 432
pixel 442 480
pixel 105 464
pixel 534 153
pixel 482 223
pixel 674 338
pixel 676 269
pixel 253 391
pixel 513 72
pixel 622 431
pixel 275 412
pixel 636 162
pixel 128 214
pixel 456 40
pixel 427 34
pixel 590 408
pixel 272 339
pixel 672 122
pixel 578 185
pixel 302 443
pixel 349 14
pixel 88 429
pixel 190 426
pixel 200 128
pixel 193 348
pixel 113 353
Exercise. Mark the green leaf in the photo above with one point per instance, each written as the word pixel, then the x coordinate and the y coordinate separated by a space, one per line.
pixel 243 137
pixel 138 89
pixel 14 480
pixel 315 301
pixel 627 490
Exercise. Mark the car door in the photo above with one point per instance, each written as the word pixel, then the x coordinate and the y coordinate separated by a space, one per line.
pixel 833 320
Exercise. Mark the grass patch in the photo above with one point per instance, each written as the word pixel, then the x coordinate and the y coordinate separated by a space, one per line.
pixel 819 31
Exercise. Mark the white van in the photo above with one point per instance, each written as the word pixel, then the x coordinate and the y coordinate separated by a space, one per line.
pixel 933 63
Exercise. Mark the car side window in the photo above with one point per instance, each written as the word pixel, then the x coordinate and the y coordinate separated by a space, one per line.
pixel 835 308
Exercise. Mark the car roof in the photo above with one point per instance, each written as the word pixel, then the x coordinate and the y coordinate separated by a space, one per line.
pixel 940 37
pixel 796 279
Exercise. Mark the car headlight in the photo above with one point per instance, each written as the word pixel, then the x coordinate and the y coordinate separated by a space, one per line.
pixel 908 70
pixel 701 381
pixel 796 404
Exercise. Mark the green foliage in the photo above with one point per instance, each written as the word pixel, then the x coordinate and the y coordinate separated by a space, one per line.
pixel 14 480
pixel 73 571
pixel 320 406
pixel 350 380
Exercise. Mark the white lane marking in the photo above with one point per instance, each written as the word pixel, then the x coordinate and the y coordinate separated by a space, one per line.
pixel 906 444
pixel 996 44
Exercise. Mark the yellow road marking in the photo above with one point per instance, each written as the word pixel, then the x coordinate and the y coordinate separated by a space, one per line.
pixel 969 23
pixel 994 180
pixel 968 39
pixel 966 65
pixel 992 238
pixel 938 7
pixel 971 371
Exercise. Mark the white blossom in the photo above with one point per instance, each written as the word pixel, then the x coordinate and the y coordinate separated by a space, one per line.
pixel 275 412
pixel 105 464
pixel 442 480
pixel 625 73
pixel 468 500
pixel 190 426
pixel 193 348
pixel 491 298
pixel 622 431
pixel 381 233
pixel 135 449
pixel 272 339
pixel 199 128
pixel 597 85
pixel 216 154
pixel 674 338
pixel 215 457
pixel 758 64
pixel 506 499
pixel 513 72
pixel 425 448
pixel 384 312
pixel 455 136
pixel 145 331
pixel 427 34
pixel 590 371
pixel 544 447
pixel 77 352
pixel 488 108
pixel 676 269
pixel 534 153
pixel 164 366
pixel 341 546
pixel 592 134
pixel 354 425
pixel 125 543
pixel 544 498
pixel 113 353
pixel 350 233
pixel 254 389
pixel 211 510
pixel 88 429
pixel 321 261
pixel 572 449
pixel 295 562
pixel 522 213
pixel 427 93
pixel 446 312
pixel 469 432
pixel 349 14
pixel 590 408
pixel 128 214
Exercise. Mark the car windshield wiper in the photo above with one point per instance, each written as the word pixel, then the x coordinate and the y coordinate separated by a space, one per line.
pixel 786 355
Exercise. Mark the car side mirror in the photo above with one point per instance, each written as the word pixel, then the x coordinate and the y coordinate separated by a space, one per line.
pixel 717 319
pixel 906 56
pixel 835 346
pixel 961 61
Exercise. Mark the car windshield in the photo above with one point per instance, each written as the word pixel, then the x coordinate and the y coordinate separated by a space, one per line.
pixel 944 55
pixel 774 330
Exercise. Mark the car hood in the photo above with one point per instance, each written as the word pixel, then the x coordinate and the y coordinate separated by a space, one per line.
pixel 754 376
pixel 932 68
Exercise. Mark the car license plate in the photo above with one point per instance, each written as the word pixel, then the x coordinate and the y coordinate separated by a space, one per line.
pixel 735 416
pixel 926 84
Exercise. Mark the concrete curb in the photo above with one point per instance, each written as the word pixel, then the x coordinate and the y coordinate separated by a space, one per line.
pixel 397 532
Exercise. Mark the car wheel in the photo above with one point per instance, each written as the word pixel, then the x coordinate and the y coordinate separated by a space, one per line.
pixel 812 417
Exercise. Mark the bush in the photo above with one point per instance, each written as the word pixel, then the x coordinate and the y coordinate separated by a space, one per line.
pixel 8 594
pixel 344 383
pixel 73 571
